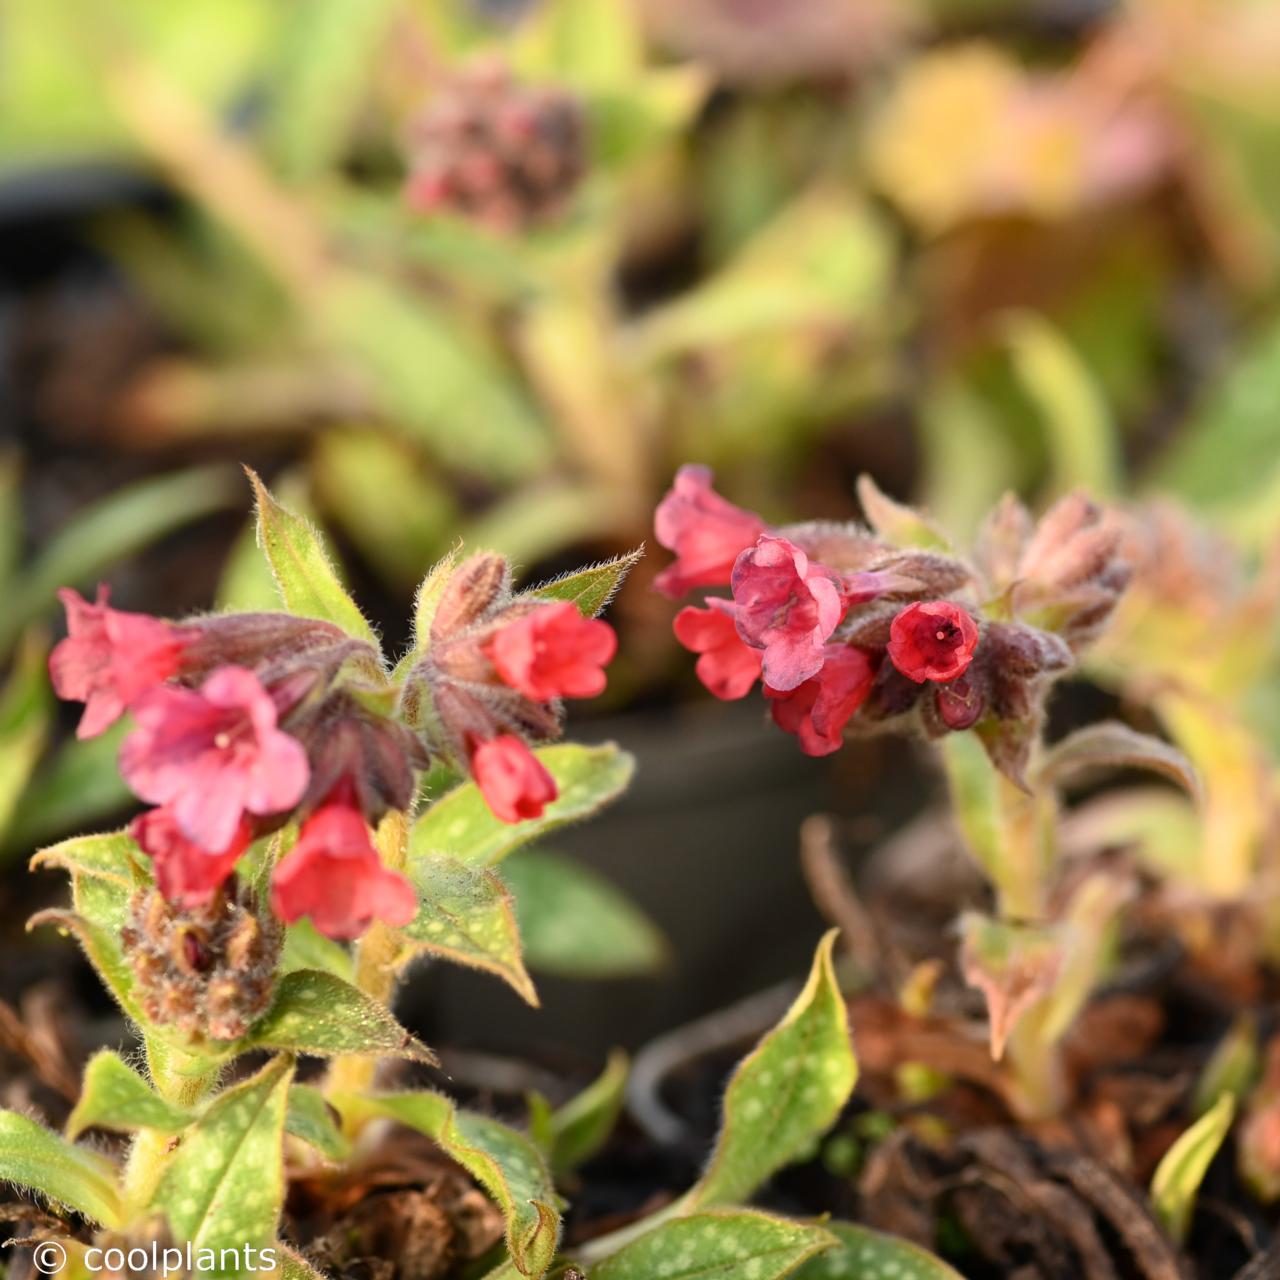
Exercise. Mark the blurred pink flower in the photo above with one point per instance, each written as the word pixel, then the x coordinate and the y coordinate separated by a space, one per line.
pixel 553 652
pixel 511 778
pixel 818 710
pixel 725 665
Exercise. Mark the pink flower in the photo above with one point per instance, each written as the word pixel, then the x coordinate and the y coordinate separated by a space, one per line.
pixel 553 652
pixel 213 754
pixel 110 657
pixel 819 709
pixel 726 666
pixel 787 607
pixel 511 778
pixel 186 873
pixel 704 531
pixel 932 640
pixel 333 874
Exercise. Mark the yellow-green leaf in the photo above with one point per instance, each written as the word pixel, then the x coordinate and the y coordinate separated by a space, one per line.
pixel 114 1096
pixel 460 825
pixel 583 1125
pixel 1178 1176
pixel 786 1093
pixel 32 1156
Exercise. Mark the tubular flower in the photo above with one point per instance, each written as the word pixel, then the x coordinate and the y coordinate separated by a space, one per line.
pixel 725 665
pixel 553 652
pixel 334 876
pixel 818 710
pixel 512 779
pixel 932 640
pixel 187 874
pixel 786 606
pixel 704 530
pixel 212 755
pixel 110 657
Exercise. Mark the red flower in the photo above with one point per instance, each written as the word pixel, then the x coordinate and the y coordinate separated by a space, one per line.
pixel 553 652
pixel 819 709
pixel 932 640
pixel 110 657
pixel 960 704
pixel 333 874
pixel 704 531
pixel 186 873
pixel 726 666
pixel 213 754
pixel 786 606
pixel 511 778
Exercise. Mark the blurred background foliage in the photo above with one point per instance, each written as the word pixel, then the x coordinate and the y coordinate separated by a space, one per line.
pixel 966 245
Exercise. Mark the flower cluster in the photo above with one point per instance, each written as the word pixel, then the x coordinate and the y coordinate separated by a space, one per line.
pixel 849 627
pixel 244 723
pixel 497 152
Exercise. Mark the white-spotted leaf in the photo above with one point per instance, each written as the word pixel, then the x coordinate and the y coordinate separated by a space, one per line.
pixel 863 1254
pixel 114 1096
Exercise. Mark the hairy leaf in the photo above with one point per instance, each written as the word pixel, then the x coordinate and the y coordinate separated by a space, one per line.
pixel 317 1013
pixel 574 923
pixel 305 576
pixel 114 1096
pixel 863 1254
pixel 32 1156
pixel 504 1162
pixel 786 1093
pixel 897 523
pixel 592 588
pixel 459 825
pixel 741 1244
pixel 465 915
pixel 224 1185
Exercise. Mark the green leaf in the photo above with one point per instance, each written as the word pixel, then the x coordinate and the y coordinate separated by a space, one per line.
pixel 592 588
pixel 584 43
pixel 320 1014
pixel 307 581
pixel 224 1185
pixel 114 1096
pixel 110 530
pixel 1178 1176
pixel 459 825
pixel 503 1161
pixel 311 1118
pixel 434 381
pixel 465 915
pixel 104 876
pixel 305 947
pixel 25 709
pixel 316 88
pixel 786 1093
pixel 1232 1068
pixel 1083 449
pixel 741 1244
pixel 582 1126
pixel 870 1255
pixel 1112 745
pixel 897 523
pixel 32 1156
pixel 574 923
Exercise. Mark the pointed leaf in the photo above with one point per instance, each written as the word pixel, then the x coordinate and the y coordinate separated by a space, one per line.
pixel 1179 1174
pixel 460 825
pixel 1112 745
pixel 317 1013
pixel 583 1125
pixel 32 1156
pixel 307 581
pixel 897 523
pixel 503 1161
pixel 575 924
pixel 739 1245
pixel 592 588
pixel 465 915
pixel 869 1255
pixel 312 1119
pixel 224 1185
pixel 114 1096
pixel 428 596
pixel 786 1093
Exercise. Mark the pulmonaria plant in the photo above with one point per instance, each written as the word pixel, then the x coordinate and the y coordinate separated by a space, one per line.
pixel 284 761
pixel 858 629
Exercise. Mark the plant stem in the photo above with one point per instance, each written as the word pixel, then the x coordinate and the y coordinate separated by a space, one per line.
pixel 376 973
pixel 1037 1066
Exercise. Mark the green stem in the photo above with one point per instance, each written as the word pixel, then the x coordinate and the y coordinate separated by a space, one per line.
pixel 1037 1066
pixel 376 973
